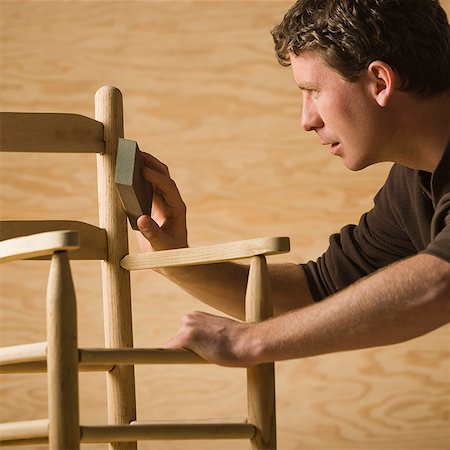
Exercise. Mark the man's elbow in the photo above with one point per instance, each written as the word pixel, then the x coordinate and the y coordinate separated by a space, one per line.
pixel 439 290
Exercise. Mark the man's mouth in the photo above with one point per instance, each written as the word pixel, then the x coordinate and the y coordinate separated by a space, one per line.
pixel 335 147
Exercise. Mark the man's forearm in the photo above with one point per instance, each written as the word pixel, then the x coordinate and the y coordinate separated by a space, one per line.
pixel 401 302
pixel 223 286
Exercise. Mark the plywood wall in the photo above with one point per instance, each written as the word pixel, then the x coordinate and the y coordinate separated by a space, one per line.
pixel 204 93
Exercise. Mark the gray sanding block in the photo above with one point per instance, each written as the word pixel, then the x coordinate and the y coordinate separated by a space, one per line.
pixel 134 191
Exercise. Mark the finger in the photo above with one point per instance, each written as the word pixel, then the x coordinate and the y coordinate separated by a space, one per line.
pixel 166 186
pixel 185 337
pixel 150 230
pixel 172 343
pixel 188 333
pixel 175 342
pixel 153 163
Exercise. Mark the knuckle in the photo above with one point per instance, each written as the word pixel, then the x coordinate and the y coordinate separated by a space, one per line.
pixel 165 168
pixel 171 183
pixel 188 319
pixel 183 207
pixel 186 336
pixel 185 320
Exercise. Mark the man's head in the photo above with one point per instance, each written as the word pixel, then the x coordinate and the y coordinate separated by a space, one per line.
pixel 412 36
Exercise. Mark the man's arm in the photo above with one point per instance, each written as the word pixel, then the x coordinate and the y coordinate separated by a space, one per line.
pixel 403 301
pixel 221 285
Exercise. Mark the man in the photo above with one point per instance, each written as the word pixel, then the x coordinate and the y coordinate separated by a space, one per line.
pixel 375 82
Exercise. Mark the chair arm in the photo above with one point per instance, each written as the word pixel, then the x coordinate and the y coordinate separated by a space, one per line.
pixel 207 254
pixel 40 244
pixel 93 239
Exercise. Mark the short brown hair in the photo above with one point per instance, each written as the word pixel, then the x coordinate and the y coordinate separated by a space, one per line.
pixel 412 36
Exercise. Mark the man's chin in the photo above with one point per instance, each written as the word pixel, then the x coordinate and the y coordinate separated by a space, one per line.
pixel 355 166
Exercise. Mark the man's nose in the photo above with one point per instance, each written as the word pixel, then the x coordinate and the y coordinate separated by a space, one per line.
pixel 311 119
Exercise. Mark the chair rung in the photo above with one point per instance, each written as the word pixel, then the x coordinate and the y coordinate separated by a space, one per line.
pixel 36 431
pixel 26 353
pixel 41 366
pixel 181 430
pixel 31 358
pixel 19 433
pixel 131 356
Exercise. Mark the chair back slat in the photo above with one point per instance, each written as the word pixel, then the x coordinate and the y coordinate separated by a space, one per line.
pixel 50 132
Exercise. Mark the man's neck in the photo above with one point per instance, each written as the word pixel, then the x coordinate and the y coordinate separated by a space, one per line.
pixel 425 125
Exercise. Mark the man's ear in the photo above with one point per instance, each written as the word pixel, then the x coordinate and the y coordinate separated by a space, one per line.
pixel 382 81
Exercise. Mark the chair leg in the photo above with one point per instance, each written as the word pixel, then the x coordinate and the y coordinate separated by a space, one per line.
pixel 116 281
pixel 62 356
pixel 261 378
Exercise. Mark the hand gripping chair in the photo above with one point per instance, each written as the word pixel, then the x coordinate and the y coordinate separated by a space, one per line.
pixel 60 355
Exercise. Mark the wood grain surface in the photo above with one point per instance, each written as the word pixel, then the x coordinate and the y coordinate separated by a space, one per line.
pixel 204 93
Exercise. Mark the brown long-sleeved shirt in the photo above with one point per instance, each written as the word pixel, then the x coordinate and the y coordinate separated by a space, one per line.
pixel 411 215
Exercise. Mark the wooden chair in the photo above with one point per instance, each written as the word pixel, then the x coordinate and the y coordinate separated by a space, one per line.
pixel 60 355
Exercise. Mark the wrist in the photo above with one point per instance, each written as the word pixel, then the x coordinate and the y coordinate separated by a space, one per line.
pixel 252 344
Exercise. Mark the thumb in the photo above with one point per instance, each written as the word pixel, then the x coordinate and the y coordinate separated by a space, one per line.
pixel 149 228
pixel 174 342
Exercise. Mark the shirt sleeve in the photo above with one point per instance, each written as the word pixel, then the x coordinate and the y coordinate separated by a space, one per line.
pixel 358 250
pixel 440 230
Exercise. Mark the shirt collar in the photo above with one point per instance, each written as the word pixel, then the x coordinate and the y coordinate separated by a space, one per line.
pixel 436 183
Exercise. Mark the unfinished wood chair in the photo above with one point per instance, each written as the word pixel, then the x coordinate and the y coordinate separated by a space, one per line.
pixel 60 355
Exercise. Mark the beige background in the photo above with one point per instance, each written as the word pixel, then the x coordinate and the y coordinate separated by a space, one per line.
pixel 204 93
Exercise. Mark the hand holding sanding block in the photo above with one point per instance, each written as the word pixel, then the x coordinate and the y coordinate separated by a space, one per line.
pixel 134 191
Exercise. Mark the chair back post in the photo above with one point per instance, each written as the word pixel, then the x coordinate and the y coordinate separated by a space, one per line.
pixel 62 356
pixel 116 281
pixel 260 378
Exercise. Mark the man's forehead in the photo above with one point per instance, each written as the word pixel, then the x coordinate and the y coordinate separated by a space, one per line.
pixel 310 70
